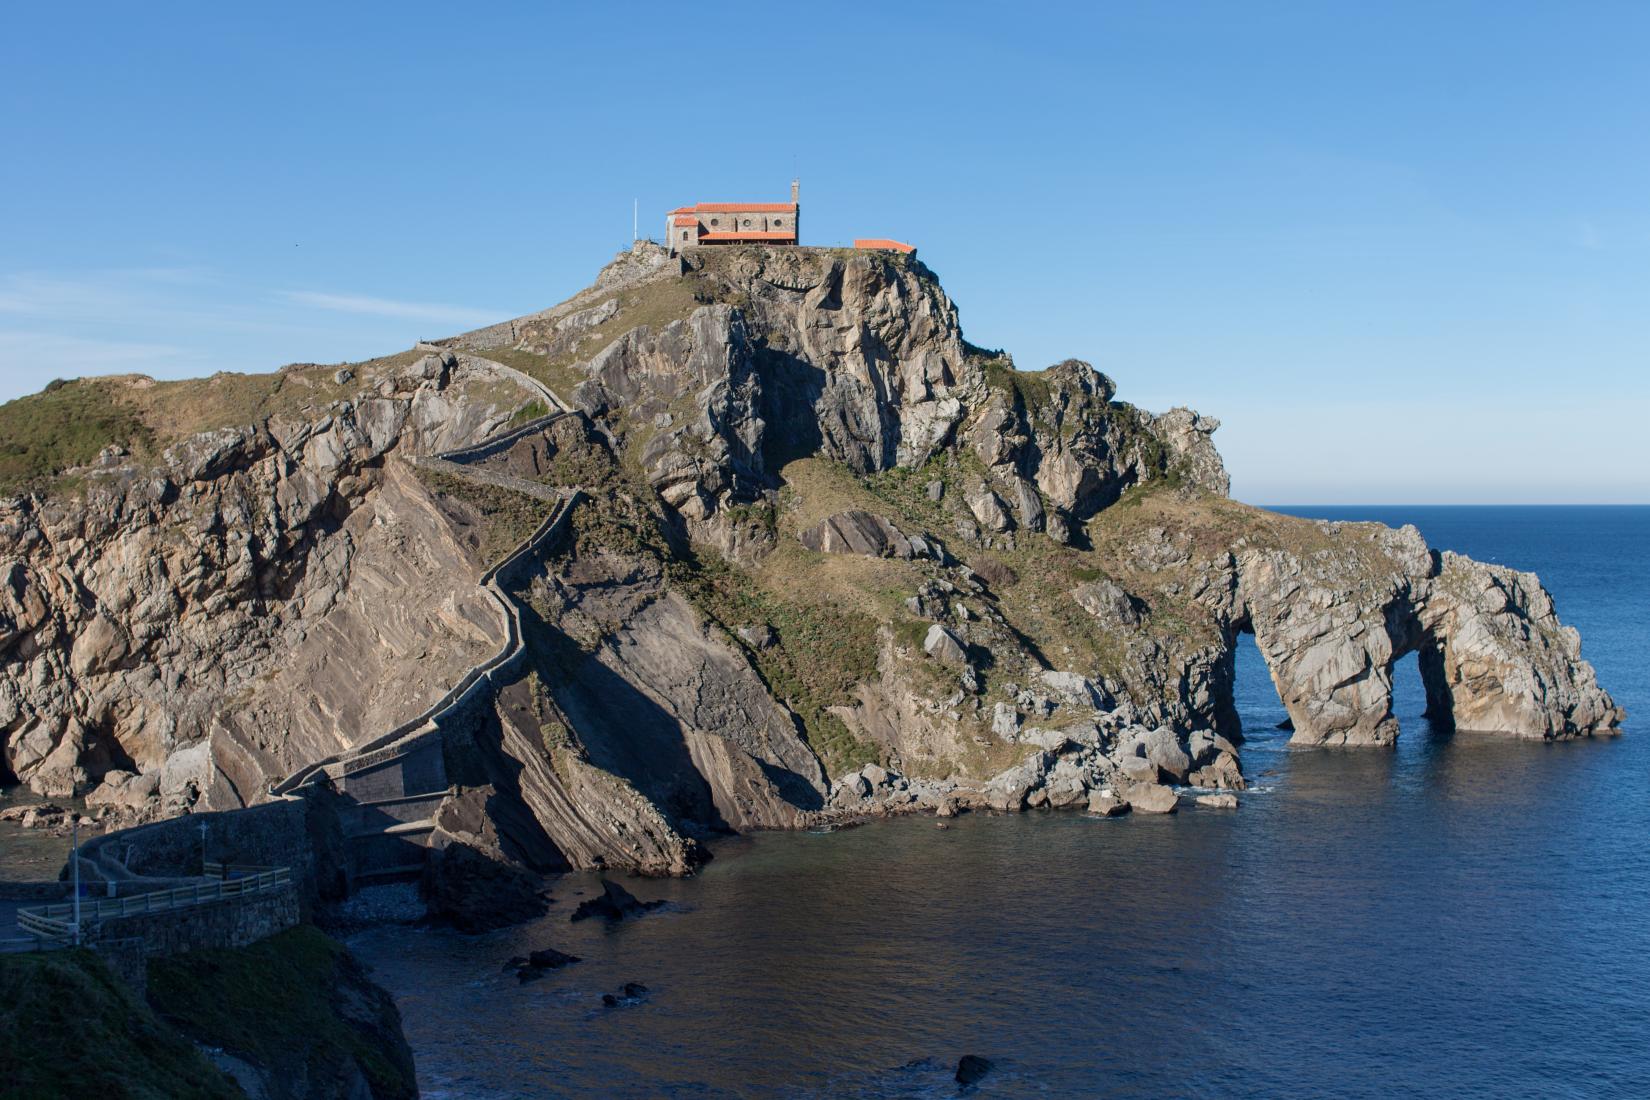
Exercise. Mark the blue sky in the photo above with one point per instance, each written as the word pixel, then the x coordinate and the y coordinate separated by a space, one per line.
pixel 1401 250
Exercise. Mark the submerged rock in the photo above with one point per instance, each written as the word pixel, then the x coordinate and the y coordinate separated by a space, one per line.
pixel 615 904
pixel 632 993
pixel 539 963
pixel 971 1069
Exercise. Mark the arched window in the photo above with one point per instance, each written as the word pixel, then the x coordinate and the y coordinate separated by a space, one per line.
pixel 684 234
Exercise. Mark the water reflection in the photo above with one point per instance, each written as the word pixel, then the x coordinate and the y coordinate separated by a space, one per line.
pixel 1458 915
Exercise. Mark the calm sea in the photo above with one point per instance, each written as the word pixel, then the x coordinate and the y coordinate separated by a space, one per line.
pixel 1460 917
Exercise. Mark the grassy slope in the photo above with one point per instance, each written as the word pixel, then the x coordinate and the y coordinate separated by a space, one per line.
pixel 68 1028
pixel 653 303
pixel 68 423
pixel 294 992
pixel 499 519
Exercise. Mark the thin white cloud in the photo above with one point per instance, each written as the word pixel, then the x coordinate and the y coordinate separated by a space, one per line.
pixel 388 307
pixel 43 296
pixel 29 359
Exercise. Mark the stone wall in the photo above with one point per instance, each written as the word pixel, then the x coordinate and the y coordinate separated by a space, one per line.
pixel 129 942
pixel 303 834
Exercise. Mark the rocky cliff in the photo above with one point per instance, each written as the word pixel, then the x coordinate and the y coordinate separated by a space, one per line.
pixel 830 558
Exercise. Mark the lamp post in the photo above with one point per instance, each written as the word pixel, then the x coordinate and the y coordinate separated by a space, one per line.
pixel 75 863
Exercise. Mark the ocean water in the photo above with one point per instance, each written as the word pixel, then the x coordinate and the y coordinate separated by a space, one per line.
pixel 1461 916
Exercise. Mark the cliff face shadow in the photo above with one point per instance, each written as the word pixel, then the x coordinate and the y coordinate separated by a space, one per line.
pixel 621 729
pixel 792 389
pixel 791 787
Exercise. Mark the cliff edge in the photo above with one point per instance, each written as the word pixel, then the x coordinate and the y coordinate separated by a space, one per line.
pixel 830 558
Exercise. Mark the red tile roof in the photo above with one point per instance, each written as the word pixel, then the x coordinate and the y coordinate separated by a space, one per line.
pixel 884 242
pixel 749 236
pixel 684 219
pixel 742 207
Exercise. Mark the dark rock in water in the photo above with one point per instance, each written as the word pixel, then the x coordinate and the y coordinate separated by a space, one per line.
pixel 550 959
pixel 536 965
pixel 633 993
pixel 971 1069
pixel 477 893
pixel 616 903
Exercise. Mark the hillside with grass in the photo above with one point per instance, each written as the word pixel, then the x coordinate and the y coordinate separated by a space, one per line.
pixel 830 558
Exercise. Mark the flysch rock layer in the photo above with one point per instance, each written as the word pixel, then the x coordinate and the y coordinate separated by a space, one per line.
pixel 832 559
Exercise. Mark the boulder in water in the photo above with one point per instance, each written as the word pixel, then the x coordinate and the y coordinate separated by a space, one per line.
pixel 616 903
pixel 971 1069
pixel 1105 803
pixel 1152 798
pixel 633 993
pixel 537 964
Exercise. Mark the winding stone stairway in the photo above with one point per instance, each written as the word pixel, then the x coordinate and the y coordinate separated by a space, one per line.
pixel 395 783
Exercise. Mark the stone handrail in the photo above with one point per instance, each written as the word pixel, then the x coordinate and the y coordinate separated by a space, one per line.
pixel 486 477
pixel 390 745
pixel 521 378
pixel 55 922
pixel 495 443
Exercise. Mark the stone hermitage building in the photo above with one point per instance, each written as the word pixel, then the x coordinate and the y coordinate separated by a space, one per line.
pixel 769 223
pixel 719 223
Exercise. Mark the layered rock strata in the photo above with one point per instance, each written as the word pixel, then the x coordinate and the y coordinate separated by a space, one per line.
pixel 827 547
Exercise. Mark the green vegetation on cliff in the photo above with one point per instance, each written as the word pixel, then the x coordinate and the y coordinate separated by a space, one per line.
pixel 820 653
pixel 296 1003
pixel 296 1007
pixel 68 423
pixel 496 519
pixel 65 425
pixel 69 1027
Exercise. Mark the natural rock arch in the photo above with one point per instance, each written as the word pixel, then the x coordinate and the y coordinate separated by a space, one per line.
pixel 1492 653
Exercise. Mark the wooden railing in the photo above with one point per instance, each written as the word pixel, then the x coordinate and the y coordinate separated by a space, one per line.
pixel 227 882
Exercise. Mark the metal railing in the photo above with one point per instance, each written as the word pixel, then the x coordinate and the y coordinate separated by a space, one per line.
pixel 227 882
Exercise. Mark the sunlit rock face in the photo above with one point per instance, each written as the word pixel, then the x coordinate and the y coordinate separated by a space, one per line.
pixel 830 559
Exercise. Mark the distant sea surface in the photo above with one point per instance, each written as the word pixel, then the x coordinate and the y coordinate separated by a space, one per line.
pixel 1463 916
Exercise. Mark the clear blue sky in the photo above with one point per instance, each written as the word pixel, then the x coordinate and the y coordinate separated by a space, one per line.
pixel 1401 250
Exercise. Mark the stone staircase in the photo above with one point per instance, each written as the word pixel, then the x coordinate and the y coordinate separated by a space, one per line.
pixel 395 783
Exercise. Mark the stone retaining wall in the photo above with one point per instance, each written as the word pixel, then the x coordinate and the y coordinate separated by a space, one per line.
pixel 302 834
pixel 128 943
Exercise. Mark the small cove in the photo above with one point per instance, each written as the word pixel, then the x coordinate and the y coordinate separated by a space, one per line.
pixel 1461 916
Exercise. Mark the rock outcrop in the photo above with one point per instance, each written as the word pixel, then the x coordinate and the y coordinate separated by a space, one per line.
pixel 754 622
pixel 259 596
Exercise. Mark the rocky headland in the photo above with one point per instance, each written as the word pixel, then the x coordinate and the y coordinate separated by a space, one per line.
pixel 827 559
